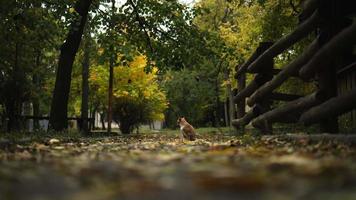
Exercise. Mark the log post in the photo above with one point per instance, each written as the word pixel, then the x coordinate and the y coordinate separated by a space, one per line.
pixel 250 115
pixel 241 104
pixel 263 75
pixel 267 74
pixel 252 87
pixel 327 77
pixel 336 46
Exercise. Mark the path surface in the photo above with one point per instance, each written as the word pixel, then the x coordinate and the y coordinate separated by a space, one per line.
pixel 157 166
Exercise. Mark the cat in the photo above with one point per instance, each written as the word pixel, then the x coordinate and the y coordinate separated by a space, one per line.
pixel 187 130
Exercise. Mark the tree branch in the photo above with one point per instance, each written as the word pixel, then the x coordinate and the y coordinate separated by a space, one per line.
pixel 142 25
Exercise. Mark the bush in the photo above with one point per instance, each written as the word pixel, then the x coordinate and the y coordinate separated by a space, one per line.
pixel 129 113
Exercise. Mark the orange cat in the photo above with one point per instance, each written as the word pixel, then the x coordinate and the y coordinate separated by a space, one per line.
pixel 187 130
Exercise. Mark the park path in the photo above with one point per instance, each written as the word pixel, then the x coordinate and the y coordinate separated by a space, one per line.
pixel 158 166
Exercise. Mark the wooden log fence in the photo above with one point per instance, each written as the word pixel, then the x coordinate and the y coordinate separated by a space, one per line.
pixel 303 30
pixel 289 112
pixel 333 107
pixel 286 72
pixel 332 49
pixel 320 61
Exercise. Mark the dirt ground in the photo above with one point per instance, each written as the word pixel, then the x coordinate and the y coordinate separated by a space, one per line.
pixel 159 166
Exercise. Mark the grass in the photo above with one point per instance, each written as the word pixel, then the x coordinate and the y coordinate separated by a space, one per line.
pixel 76 135
pixel 202 130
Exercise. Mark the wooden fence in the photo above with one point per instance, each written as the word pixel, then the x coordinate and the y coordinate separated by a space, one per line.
pixel 329 60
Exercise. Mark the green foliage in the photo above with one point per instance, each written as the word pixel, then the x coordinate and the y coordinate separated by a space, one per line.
pixel 129 113
pixel 189 95
pixel 30 33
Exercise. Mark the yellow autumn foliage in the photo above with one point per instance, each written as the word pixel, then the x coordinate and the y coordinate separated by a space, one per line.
pixel 133 83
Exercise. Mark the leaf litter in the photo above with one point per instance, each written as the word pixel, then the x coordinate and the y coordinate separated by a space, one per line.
pixel 159 166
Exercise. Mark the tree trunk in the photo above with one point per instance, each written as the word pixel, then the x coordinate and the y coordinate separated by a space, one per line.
pixel 102 120
pixel 35 101
pixel 226 111
pixel 111 75
pixel 13 105
pixel 11 111
pixel 85 84
pixel 58 115
pixel 92 120
pixel 36 112
pixel 231 104
pixel 217 101
pixel 241 85
pixel 111 81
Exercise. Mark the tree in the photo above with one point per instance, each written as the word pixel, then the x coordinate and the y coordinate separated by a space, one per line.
pixel 85 83
pixel 29 33
pixel 59 106
pixel 189 94
pixel 137 96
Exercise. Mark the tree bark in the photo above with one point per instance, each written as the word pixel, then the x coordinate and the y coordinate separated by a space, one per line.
pixel 217 102
pixel 111 72
pixel 232 109
pixel 111 83
pixel 35 102
pixel 13 102
pixel 58 115
pixel 241 81
pixel 230 102
pixel 85 84
pixel 102 120
pixel 36 112
pixel 226 111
